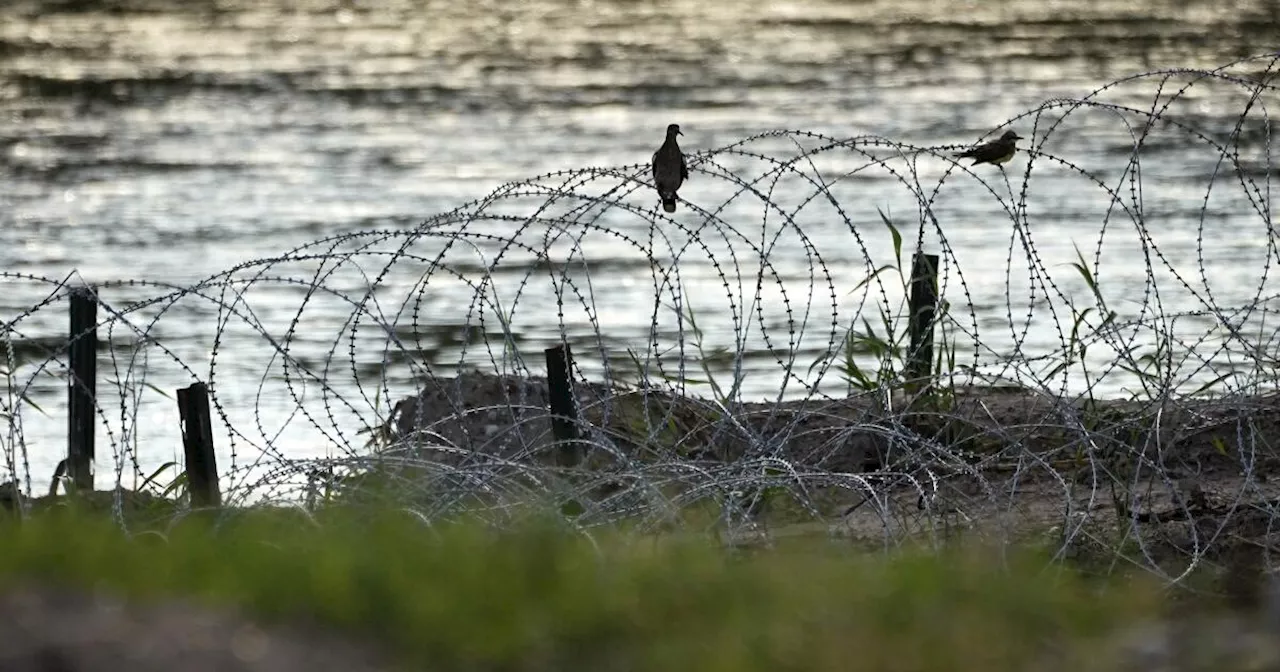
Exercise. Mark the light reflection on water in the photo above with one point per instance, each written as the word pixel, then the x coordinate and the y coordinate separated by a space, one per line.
pixel 172 145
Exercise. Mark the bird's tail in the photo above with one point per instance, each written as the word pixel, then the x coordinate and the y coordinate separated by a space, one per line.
pixel 669 204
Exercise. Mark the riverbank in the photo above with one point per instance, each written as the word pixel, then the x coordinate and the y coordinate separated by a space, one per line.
pixel 364 590
pixel 1182 478
pixel 1006 565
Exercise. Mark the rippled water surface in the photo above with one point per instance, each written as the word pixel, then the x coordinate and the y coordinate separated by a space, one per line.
pixel 167 142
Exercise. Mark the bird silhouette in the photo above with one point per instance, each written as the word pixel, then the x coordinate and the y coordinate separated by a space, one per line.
pixel 669 169
pixel 995 152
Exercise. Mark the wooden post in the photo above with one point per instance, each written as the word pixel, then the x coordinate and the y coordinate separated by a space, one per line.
pixel 197 440
pixel 82 365
pixel 564 408
pixel 923 303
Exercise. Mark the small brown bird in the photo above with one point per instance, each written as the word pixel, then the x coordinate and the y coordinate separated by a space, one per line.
pixel 669 169
pixel 995 152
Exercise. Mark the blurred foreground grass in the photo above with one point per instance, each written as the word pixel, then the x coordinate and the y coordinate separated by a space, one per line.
pixel 535 597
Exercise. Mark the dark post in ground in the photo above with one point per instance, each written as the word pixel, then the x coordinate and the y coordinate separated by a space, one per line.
pixel 564 408
pixel 197 440
pixel 82 365
pixel 923 305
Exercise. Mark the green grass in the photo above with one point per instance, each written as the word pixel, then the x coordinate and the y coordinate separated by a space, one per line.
pixel 462 597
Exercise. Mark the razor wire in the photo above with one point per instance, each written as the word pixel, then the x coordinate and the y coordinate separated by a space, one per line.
pixel 739 365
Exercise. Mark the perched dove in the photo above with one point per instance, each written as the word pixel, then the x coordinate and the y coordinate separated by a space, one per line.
pixel 995 152
pixel 669 169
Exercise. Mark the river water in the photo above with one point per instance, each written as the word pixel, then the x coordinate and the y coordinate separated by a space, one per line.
pixel 150 145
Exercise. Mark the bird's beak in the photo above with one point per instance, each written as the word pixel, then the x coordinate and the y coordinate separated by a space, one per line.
pixel 679 132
